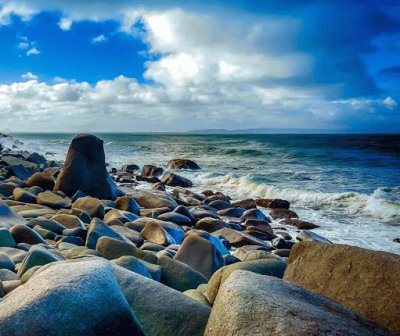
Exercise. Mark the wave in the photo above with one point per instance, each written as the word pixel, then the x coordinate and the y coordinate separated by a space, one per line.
pixel 383 203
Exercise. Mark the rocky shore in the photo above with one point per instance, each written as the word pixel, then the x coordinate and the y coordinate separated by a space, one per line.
pixel 87 249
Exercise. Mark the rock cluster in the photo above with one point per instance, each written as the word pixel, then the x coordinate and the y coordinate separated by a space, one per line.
pixel 79 257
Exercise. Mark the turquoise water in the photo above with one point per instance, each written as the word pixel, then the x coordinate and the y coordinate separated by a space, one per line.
pixel 348 184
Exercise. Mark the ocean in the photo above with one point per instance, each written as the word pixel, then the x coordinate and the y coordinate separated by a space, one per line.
pixel 347 184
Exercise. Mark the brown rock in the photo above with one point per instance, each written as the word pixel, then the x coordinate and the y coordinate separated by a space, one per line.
pixel 283 214
pixel 302 225
pixel 42 180
pixel 273 203
pixel 364 280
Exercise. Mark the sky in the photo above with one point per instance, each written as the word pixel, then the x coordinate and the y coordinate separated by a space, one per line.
pixel 139 66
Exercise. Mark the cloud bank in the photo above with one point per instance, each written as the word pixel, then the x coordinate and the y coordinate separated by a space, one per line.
pixel 218 70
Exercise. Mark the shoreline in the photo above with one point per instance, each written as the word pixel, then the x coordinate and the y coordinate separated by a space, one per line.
pixel 55 217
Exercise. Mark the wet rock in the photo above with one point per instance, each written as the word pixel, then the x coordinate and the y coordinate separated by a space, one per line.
pixel 127 203
pixel 176 218
pixel 183 164
pixel 48 224
pixel 306 235
pixel 210 224
pixel 134 236
pixel 155 199
pixel 273 203
pixel 130 168
pixel 38 159
pixel 151 171
pixel 42 180
pixel 184 211
pixel 23 195
pixel 343 273
pixel 158 186
pixel 24 234
pixel 93 206
pixel 8 217
pixel 284 253
pixel 201 255
pixel 6 262
pixel 300 224
pixel 247 203
pixel 220 205
pixel 155 233
pixel 280 243
pixel 111 248
pixel 7 189
pixel 283 214
pixel 175 180
pixel 260 224
pixel 396 240
pixel 231 212
pixel 121 216
pixel 269 267
pixel 238 239
pixel 178 275
pixel 85 169
pixel 255 304
pixel 77 286
pixel 97 229
pixel 53 200
pixel 171 313
pixel 253 214
pixel 37 256
pixel 6 239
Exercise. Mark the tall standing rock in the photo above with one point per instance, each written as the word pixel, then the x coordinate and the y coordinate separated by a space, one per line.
pixel 85 169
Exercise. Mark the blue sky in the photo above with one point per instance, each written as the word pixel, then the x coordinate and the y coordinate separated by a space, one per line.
pixel 120 65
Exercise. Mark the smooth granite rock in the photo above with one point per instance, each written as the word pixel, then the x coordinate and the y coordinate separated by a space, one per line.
pixel 253 304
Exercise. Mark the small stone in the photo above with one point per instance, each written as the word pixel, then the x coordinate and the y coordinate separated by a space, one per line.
pixel 93 206
pixel 53 200
pixel 24 234
pixel 21 195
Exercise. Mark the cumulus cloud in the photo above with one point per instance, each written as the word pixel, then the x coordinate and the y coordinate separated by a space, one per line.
pixel 8 10
pixel 33 51
pixel 29 76
pixel 65 24
pixel 98 39
pixel 213 70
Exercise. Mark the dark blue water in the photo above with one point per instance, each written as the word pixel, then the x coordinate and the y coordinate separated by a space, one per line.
pixel 348 184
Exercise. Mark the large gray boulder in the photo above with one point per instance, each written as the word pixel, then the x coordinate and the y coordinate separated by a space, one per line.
pixel 8 217
pixel 364 280
pixel 85 169
pixel 69 298
pixel 254 304
pixel 161 310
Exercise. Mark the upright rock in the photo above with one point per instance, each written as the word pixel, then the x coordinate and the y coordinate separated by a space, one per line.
pixel 364 280
pixel 85 169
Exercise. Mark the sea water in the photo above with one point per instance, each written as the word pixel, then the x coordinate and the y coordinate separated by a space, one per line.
pixel 347 184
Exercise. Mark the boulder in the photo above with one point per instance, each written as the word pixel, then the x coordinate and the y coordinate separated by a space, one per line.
pixel 175 180
pixel 159 309
pixel 201 255
pixel 210 224
pixel 306 235
pixel 7 189
pixel 275 203
pixel 24 234
pixel 231 212
pixel 253 214
pixel 37 256
pixel 93 206
pixel 178 275
pixel 254 304
pixel 69 298
pixel 85 169
pixel 42 180
pixel 283 214
pixel 53 200
pixel 48 224
pixel 132 264
pixel 183 164
pixel 300 224
pixel 8 217
pixel 247 203
pixel 68 221
pixel 22 195
pixel 269 267
pixel 239 238
pixel 6 262
pixel 111 248
pixel 176 218
pixel 97 229
pixel 155 233
pixel 154 199
pixel 134 236
pixel 151 171
pixel 363 280
pixel 6 239
pixel 127 203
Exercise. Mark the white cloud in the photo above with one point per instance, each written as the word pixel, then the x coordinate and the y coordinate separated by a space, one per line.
pixel 29 76
pixel 65 24
pixel 23 45
pixel 390 103
pixel 8 10
pixel 33 51
pixel 98 39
